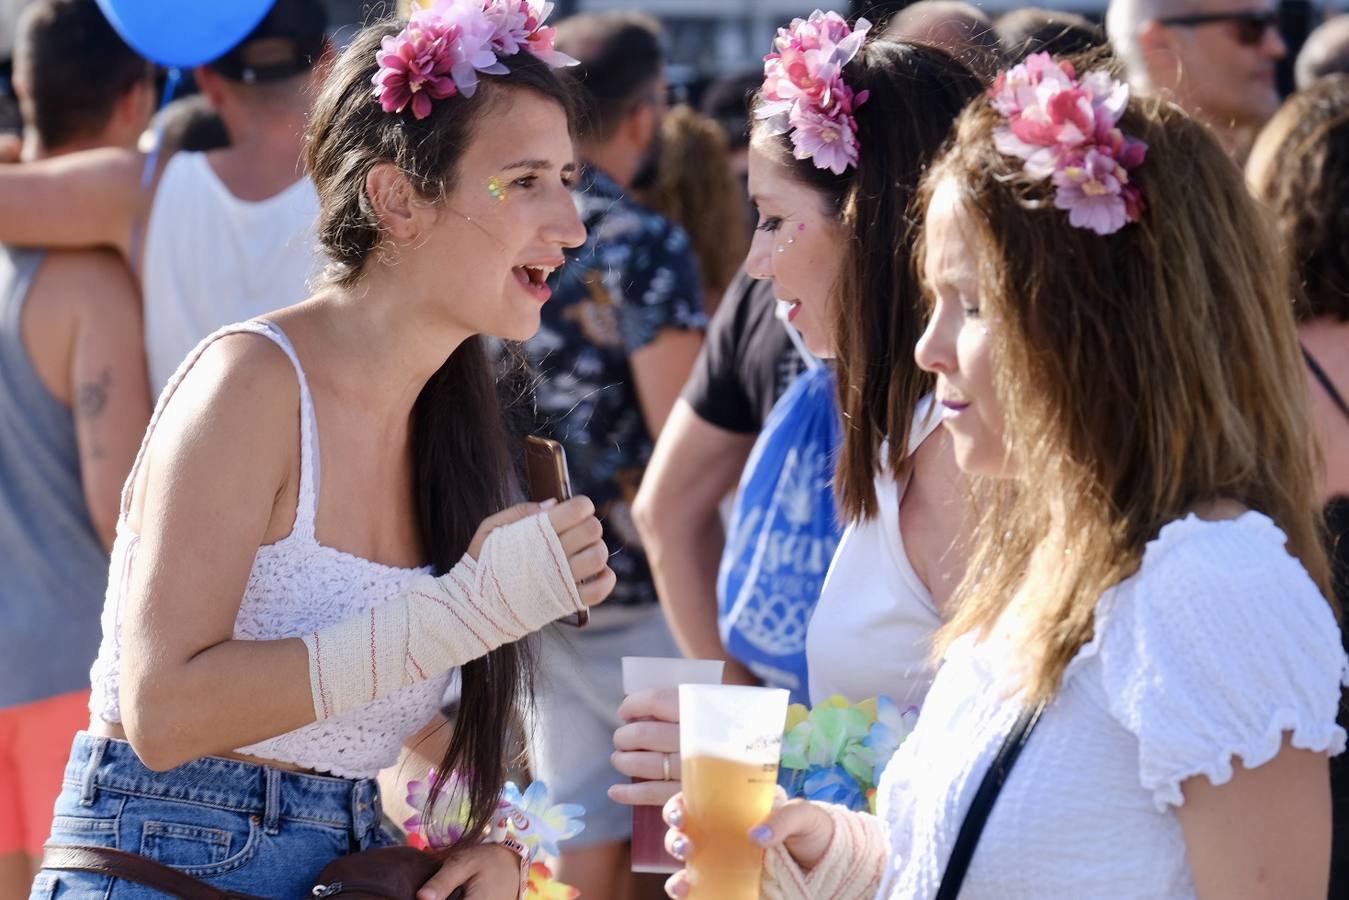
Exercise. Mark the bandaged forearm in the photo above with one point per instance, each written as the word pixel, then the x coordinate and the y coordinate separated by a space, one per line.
pixel 520 582
pixel 851 869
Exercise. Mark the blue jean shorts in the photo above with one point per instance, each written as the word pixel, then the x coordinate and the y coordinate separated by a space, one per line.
pixel 235 825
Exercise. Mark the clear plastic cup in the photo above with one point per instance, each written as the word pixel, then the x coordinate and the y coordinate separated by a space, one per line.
pixel 653 673
pixel 730 739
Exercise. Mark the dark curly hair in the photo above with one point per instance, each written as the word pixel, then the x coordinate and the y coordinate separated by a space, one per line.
pixel 1300 169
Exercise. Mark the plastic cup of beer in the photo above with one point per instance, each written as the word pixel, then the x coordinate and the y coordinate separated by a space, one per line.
pixel 730 738
pixel 654 673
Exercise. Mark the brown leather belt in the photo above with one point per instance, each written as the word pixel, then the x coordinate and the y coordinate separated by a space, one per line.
pixel 132 867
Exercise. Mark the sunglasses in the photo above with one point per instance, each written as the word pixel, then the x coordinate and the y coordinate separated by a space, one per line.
pixel 1250 27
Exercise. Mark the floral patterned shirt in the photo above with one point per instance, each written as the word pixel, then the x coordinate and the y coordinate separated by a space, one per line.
pixel 634 277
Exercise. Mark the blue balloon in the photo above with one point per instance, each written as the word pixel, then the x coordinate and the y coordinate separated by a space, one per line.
pixel 184 33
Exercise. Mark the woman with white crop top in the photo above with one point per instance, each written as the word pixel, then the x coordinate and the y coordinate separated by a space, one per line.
pixel 1123 384
pixel 313 536
pixel 834 241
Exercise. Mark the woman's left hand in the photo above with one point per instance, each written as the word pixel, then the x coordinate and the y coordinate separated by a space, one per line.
pixel 647 748
pixel 486 872
pixel 802 827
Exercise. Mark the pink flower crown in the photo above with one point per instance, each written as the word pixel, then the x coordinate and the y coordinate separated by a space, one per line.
pixel 805 91
pixel 441 50
pixel 1064 129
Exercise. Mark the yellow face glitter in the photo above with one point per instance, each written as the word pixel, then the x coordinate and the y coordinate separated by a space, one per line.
pixel 496 188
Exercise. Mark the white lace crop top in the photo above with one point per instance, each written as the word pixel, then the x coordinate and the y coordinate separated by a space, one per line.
pixel 296 586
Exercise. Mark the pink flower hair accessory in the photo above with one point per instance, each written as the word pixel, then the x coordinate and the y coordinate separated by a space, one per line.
pixel 1065 129
pixel 444 47
pixel 804 91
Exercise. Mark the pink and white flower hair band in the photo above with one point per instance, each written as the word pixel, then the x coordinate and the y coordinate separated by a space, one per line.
pixel 448 43
pixel 804 92
pixel 1065 129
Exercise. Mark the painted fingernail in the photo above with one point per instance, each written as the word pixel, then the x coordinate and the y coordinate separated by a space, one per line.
pixel 680 848
pixel 761 835
pixel 675 817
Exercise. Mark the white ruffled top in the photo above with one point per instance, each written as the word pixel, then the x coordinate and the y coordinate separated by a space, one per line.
pixel 1214 649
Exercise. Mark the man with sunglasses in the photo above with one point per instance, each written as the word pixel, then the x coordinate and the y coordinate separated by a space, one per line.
pixel 1216 58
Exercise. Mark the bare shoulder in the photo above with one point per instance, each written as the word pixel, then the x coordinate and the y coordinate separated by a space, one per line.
pixel 1221 510
pixel 230 428
pixel 95 281
pixel 238 405
pixel 80 291
pixel 238 378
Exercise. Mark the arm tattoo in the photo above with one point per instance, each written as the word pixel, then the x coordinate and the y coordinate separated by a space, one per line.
pixel 91 398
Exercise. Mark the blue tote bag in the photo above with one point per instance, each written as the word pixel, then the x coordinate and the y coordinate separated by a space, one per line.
pixel 783 533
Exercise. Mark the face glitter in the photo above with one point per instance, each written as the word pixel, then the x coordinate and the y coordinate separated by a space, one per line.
pixel 496 188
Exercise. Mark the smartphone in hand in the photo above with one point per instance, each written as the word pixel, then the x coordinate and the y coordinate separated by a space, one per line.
pixel 546 471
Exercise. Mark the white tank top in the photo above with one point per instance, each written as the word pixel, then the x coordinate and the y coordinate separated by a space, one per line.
pixel 871 633
pixel 296 586
pixel 212 259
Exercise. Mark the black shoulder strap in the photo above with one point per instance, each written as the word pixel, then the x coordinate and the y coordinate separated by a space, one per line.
pixel 984 798
pixel 1325 381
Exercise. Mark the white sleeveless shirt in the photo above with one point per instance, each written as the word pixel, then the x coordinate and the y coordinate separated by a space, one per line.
pixel 296 587
pixel 871 632
pixel 212 259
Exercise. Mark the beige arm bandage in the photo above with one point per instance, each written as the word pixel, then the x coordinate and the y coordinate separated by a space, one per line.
pixel 520 582
pixel 852 867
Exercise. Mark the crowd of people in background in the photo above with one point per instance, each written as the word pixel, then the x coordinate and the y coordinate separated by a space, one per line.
pixel 995 364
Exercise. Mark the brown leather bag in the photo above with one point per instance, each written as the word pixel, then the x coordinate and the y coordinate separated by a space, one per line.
pixel 386 873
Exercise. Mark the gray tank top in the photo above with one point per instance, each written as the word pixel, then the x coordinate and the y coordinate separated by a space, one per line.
pixel 53 570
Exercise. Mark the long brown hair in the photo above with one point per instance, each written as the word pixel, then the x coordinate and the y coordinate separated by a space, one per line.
pixel 1300 168
pixel 696 188
pixel 1144 375
pixel 916 92
pixel 462 454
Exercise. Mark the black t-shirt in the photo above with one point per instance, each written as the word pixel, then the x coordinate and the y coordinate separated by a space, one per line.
pixel 747 361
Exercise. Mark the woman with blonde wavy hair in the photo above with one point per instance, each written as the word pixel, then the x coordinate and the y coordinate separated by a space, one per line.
pixel 1144 613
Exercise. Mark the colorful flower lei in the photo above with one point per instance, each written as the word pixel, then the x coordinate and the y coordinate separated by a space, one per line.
pixel 805 92
pixel 1064 129
pixel 529 817
pixel 444 47
pixel 835 753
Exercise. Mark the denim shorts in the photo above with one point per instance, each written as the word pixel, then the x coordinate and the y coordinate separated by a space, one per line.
pixel 235 825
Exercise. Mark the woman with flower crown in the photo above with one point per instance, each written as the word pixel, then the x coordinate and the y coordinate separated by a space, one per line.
pixel 313 537
pixel 1143 618
pixel 845 125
